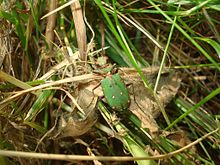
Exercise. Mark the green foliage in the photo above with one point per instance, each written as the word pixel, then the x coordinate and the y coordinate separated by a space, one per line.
pixel 179 34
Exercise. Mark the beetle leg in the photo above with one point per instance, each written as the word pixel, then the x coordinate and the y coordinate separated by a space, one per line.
pixel 133 93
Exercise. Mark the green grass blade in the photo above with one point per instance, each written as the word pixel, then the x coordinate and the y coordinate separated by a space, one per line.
pixel 137 151
pixel 187 36
pixel 39 104
pixel 36 126
pixel 127 140
pixel 213 43
pixel 199 104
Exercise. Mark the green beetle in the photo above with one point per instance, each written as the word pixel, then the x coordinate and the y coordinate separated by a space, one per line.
pixel 115 92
